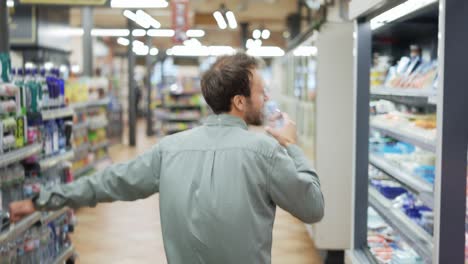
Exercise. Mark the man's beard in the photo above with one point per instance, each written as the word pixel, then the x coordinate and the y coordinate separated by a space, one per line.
pixel 253 116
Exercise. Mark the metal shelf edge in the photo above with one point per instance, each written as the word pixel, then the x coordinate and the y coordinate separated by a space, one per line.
pixel 408 235
pixel 20 227
pixel 57 113
pixel 411 181
pixel 51 162
pixel 65 255
pixel 19 154
pixel 420 142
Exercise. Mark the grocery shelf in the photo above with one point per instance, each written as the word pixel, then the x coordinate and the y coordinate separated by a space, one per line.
pixel 427 199
pixel 20 227
pixel 98 125
pixel 19 154
pixel 57 113
pixel 407 92
pixel 414 182
pixel 414 139
pixel 65 255
pixel 80 125
pixel 180 119
pixel 182 106
pixel 84 105
pixel 99 145
pixel 416 237
pixel 52 161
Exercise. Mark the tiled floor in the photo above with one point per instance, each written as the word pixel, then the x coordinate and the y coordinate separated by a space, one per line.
pixel 130 232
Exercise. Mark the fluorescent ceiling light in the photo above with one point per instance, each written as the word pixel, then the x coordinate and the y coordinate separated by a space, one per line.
pixel 140 50
pixel 192 42
pixel 256 34
pixel 220 20
pixel 266 51
pixel 139 4
pixel 195 33
pixel 146 19
pixel 250 44
pixel 231 19
pixel 398 12
pixel 137 18
pixel 10 3
pixel 257 43
pixel 154 51
pixel 123 41
pixel 265 34
pixel 305 51
pixel 160 33
pixel 138 43
pixel 200 51
pixel 73 32
pixel 221 50
pixel 139 32
pixel 110 32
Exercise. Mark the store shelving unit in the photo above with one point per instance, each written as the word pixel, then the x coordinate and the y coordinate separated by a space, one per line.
pixel 19 154
pixel 433 25
pixel 50 162
pixel 57 113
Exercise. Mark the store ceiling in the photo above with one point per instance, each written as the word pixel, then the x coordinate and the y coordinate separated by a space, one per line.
pixel 270 14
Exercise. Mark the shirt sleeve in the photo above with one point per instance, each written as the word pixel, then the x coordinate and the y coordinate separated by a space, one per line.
pixel 294 185
pixel 135 179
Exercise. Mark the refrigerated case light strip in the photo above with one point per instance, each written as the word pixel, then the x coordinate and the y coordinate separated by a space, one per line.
pixel 399 11
pixel 402 136
pixel 409 92
pixel 57 113
pixel 68 253
pixel 52 161
pixel 412 181
pixel 421 246
pixel 19 154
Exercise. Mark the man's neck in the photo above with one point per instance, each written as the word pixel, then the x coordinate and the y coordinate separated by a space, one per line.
pixel 236 114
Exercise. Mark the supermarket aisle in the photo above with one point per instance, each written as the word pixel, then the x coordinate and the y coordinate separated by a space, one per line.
pixel 125 232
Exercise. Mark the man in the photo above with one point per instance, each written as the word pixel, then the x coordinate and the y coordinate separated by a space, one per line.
pixel 219 184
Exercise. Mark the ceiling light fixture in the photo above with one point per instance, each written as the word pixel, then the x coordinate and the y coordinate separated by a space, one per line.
pixel 10 3
pixel 266 34
pixel 123 41
pixel 266 51
pixel 231 19
pixel 223 17
pixel 137 18
pixel 398 12
pixel 220 20
pixel 110 32
pixel 139 32
pixel 139 4
pixel 160 33
pixel 154 51
pixel 148 19
pixel 256 34
pixel 195 33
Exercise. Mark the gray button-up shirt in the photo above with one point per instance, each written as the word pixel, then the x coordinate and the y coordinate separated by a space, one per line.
pixel 219 186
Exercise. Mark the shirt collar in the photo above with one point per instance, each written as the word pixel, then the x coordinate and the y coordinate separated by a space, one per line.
pixel 225 120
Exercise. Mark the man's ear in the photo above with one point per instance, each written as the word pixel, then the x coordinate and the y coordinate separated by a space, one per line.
pixel 238 102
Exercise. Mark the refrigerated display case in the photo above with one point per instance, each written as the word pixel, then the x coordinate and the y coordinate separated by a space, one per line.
pixel 410 157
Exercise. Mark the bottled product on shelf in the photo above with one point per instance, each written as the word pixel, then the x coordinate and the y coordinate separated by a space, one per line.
pixel 385 244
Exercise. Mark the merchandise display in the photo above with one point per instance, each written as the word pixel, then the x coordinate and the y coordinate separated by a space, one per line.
pixel 36 130
pixel 179 106
pixel 386 244
pixel 90 102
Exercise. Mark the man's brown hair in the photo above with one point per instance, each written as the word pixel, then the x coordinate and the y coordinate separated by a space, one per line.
pixel 227 77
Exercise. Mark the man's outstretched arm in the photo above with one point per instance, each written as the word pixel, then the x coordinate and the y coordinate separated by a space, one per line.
pixel 135 179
